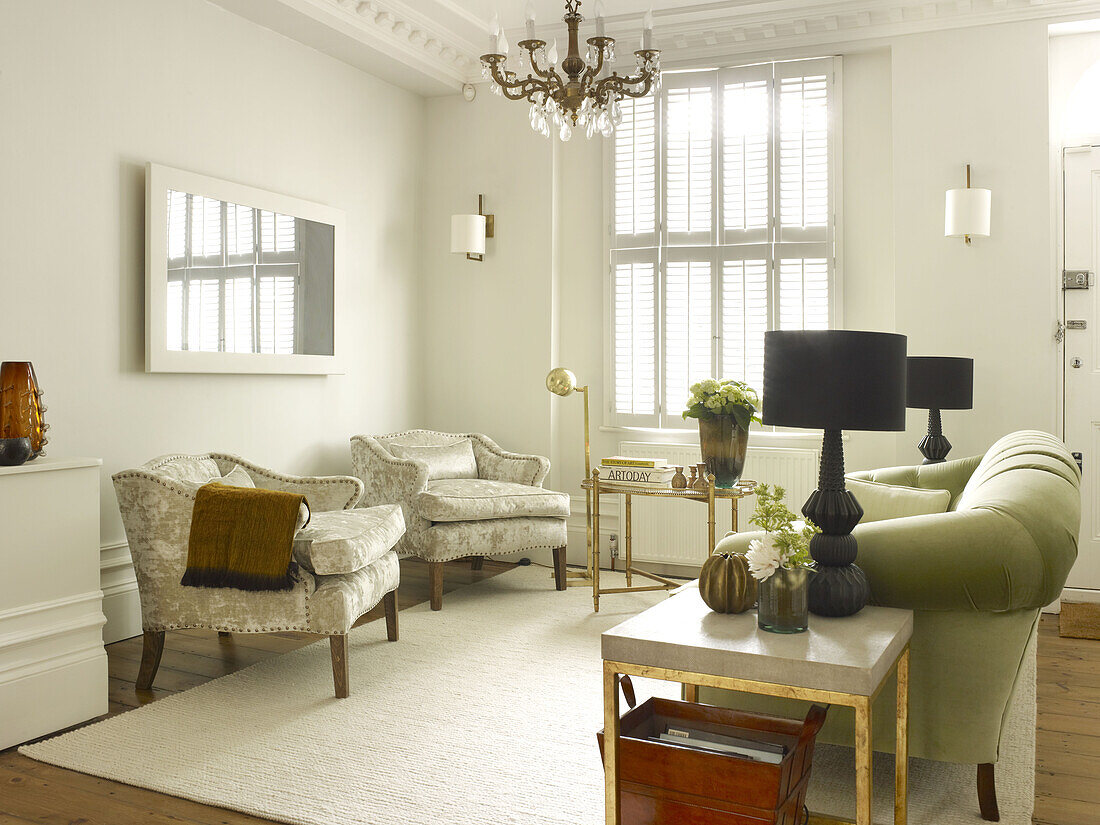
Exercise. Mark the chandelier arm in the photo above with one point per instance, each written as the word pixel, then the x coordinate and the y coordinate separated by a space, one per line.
pixel 533 46
pixel 513 90
pixel 620 85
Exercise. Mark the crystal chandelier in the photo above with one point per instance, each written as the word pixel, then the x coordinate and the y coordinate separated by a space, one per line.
pixel 588 97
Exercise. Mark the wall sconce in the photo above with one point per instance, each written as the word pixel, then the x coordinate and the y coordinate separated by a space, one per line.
pixel 967 212
pixel 468 232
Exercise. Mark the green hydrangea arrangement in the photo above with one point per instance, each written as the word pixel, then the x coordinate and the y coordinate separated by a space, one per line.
pixel 787 543
pixel 712 397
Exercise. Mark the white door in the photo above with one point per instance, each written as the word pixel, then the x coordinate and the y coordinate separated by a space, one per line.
pixel 1081 411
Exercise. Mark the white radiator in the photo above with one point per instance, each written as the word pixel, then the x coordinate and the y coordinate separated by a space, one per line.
pixel 675 532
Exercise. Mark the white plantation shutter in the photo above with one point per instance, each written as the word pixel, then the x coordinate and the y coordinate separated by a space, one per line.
pixel 204 314
pixel 221 296
pixel 743 314
pixel 277 313
pixel 803 127
pixel 689 157
pixel 634 336
pixel 688 338
pixel 634 169
pixel 803 293
pixel 722 221
pixel 277 234
pixel 746 153
pixel 238 314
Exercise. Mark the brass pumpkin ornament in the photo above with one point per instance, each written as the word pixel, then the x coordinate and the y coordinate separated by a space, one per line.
pixel 726 584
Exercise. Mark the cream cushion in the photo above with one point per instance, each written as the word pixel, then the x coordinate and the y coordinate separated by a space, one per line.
pixel 478 499
pixel 882 502
pixel 446 461
pixel 343 541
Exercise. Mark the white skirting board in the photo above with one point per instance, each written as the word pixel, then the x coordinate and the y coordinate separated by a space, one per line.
pixel 52 663
pixel 121 604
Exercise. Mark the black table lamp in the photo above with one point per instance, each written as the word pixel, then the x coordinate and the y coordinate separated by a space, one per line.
pixel 939 383
pixel 834 380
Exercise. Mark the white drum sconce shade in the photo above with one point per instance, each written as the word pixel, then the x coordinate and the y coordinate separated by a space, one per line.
pixel 966 212
pixel 468 232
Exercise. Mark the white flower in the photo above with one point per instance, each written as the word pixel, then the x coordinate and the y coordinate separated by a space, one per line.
pixel 763 557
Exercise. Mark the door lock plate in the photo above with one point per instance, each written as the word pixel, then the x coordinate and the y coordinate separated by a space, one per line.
pixel 1076 279
pixel 1077 324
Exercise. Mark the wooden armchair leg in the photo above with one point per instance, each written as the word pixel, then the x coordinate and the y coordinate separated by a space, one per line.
pixel 340 675
pixel 390 602
pixel 477 562
pixel 987 793
pixel 435 580
pixel 559 568
pixel 152 646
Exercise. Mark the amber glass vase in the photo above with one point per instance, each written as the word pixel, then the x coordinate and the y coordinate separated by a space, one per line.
pixel 724 445
pixel 21 407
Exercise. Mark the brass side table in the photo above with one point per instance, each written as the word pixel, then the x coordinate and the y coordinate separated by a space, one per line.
pixel 709 496
pixel 844 661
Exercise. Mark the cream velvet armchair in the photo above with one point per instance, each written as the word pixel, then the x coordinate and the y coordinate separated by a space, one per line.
pixel 497 507
pixel 156 501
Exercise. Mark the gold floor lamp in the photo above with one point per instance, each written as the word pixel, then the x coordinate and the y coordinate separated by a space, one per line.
pixel 563 382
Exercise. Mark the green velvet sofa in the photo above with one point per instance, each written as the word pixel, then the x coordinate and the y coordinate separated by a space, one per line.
pixel 976 578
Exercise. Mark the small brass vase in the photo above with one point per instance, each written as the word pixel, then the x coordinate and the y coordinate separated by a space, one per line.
pixel 724 445
pixel 783 601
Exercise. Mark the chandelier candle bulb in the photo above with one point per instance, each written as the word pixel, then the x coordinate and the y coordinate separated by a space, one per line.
pixel 647 30
pixel 530 17
pixel 598 8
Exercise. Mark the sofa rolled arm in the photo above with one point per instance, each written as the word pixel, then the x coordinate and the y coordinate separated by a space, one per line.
pixel 322 492
pixel 497 464
pixel 969 560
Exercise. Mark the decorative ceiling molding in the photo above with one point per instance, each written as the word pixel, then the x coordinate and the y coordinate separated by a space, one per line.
pixel 433 46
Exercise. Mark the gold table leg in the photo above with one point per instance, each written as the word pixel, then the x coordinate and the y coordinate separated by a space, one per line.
pixel 710 514
pixel 733 515
pixel 691 693
pixel 863 760
pixel 901 762
pixel 596 541
pixel 611 744
pixel 629 557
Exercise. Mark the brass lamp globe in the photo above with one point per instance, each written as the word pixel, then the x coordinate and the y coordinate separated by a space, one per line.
pixel 561 381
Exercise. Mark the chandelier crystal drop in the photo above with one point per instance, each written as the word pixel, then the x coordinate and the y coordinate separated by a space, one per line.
pixel 588 96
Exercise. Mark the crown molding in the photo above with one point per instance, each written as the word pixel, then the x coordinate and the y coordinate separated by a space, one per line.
pixel 433 46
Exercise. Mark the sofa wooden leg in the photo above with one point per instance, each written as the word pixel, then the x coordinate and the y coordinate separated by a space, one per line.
pixel 152 646
pixel 559 568
pixel 987 793
pixel 340 674
pixel 390 601
pixel 435 580
pixel 477 563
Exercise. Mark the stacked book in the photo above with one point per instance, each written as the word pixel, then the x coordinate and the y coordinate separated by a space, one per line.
pixel 644 472
pixel 705 740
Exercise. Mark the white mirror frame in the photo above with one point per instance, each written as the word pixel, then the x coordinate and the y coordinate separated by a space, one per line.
pixel 158 358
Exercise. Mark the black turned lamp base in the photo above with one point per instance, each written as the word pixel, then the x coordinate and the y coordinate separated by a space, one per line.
pixel 838 587
pixel 934 446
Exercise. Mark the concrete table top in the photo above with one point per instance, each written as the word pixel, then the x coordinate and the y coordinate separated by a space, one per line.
pixel 850 655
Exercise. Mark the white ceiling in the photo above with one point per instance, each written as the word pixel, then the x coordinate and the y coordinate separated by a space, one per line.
pixel 432 46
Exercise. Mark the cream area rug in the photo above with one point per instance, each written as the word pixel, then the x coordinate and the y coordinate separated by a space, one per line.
pixel 483 714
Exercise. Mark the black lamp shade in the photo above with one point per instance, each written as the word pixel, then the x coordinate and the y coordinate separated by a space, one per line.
pixel 940 383
pixel 834 379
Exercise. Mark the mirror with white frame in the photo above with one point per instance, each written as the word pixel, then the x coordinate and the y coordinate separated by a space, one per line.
pixel 238 279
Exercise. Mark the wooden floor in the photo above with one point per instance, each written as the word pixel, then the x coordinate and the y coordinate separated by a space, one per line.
pixel 1067 787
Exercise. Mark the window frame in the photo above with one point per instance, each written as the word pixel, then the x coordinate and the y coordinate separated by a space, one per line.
pixel 724 244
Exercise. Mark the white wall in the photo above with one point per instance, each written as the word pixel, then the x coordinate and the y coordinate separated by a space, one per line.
pixel 995 300
pixel 91 91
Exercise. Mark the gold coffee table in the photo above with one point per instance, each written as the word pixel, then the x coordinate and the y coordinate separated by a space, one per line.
pixel 709 496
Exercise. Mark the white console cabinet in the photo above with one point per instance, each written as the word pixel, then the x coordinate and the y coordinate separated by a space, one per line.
pixel 53 668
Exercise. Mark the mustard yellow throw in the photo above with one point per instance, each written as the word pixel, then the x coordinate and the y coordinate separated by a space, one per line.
pixel 242 537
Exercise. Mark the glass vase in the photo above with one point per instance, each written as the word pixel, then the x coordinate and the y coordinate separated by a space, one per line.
pixel 724 445
pixel 783 605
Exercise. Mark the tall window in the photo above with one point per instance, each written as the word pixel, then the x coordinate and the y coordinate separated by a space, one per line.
pixel 722 202
pixel 233 277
